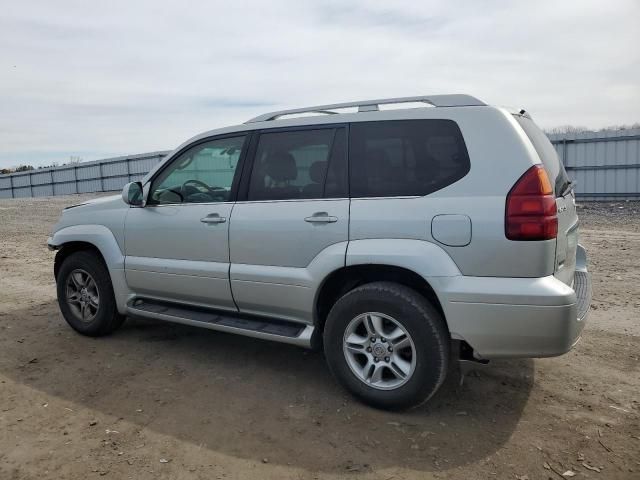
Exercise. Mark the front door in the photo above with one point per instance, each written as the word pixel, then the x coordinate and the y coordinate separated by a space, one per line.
pixel 177 245
pixel 290 226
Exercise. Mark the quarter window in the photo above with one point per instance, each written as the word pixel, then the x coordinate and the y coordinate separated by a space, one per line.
pixel 203 173
pixel 405 157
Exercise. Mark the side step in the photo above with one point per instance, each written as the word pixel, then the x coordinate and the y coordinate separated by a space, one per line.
pixel 251 326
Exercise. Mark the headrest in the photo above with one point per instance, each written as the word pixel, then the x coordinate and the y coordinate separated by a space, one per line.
pixel 281 166
pixel 316 171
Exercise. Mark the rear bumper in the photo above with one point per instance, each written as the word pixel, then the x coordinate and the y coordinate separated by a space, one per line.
pixel 519 317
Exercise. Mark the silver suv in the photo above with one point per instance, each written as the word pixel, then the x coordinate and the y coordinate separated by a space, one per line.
pixel 396 239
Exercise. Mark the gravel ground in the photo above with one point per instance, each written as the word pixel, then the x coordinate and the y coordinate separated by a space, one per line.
pixel 172 402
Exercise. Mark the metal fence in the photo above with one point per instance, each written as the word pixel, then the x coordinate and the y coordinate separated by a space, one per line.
pixel 106 175
pixel 605 166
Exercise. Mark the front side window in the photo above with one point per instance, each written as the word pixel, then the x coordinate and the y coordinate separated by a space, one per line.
pixel 405 157
pixel 300 164
pixel 204 173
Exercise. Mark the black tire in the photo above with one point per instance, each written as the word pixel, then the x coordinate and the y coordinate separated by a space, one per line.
pixel 417 316
pixel 106 319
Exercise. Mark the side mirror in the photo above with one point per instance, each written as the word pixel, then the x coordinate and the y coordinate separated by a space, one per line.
pixel 132 194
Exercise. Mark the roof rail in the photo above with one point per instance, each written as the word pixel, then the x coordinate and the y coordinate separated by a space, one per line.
pixel 373 105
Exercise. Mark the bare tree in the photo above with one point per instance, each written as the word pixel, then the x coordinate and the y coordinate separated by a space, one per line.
pixel 579 129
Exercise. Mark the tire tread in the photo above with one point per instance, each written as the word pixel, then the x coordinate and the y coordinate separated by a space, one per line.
pixel 436 328
pixel 110 319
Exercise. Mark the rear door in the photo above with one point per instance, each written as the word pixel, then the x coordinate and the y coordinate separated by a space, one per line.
pixel 293 209
pixel 567 240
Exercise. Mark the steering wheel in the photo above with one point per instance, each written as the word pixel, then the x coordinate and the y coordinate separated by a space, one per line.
pixel 215 192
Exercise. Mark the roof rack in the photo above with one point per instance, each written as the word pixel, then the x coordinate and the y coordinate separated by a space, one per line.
pixel 373 105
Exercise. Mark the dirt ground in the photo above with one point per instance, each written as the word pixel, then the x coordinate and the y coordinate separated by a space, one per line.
pixel 171 402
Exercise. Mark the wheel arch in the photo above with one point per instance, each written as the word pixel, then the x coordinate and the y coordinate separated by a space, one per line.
pixel 66 249
pixel 101 240
pixel 410 262
pixel 97 237
pixel 345 279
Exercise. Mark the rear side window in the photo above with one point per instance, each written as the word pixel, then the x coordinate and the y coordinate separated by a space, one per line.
pixel 300 164
pixel 405 157
pixel 546 152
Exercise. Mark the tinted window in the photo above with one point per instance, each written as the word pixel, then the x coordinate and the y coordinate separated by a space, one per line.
pixel 405 157
pixel 203 173
pixel 299 164
pixel 546 152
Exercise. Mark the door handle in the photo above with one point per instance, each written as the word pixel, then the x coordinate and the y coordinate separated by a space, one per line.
pixel 321 217
pixel 213 218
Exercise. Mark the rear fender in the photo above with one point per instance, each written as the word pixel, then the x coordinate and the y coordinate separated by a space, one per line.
pixel 426 259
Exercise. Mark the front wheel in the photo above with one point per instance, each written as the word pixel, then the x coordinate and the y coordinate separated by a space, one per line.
pixel 85 295
pixel 387 345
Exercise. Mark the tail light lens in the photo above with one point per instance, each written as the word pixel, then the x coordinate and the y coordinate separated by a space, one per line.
pixel 531 207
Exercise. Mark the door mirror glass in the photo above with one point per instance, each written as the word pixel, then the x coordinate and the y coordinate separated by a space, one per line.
pixel 132 194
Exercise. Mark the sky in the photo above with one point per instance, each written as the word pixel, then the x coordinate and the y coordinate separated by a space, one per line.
pixel 101 79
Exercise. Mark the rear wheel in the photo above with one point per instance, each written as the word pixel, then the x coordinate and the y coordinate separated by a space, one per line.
pixel 387 345
pixel 85 295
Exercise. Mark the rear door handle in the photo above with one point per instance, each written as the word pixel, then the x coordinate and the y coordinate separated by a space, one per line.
pixel 213 218
pixel 321 217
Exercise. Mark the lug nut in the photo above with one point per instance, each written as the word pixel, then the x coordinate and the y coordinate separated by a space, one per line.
pixel 390 349
pixel 386 359
pixel 373 339
pixel 383 340
pixel 376 359
pixel 368 349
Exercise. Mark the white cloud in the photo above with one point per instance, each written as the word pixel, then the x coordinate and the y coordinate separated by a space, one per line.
pixel 97 79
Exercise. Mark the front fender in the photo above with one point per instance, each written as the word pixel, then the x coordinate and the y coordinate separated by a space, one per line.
pixel 97 235
pixel 103 239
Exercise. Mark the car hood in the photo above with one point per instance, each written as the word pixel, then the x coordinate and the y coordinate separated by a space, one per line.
pixel 97 201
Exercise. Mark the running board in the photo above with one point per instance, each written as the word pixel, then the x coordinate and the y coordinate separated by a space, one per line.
pixel 251 326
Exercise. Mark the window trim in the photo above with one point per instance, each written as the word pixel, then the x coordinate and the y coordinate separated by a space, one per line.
pixel 233 192
pixel 245 181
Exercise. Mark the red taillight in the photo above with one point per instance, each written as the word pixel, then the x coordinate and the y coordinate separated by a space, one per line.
pixel 531 208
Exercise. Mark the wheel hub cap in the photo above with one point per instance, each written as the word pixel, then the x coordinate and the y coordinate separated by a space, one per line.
pixel 82 295
pixel 379 351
